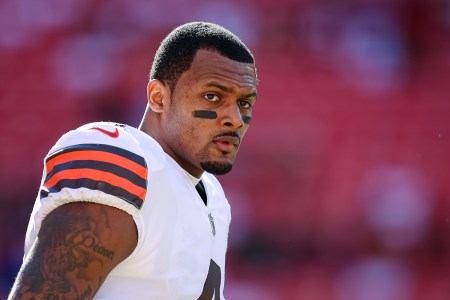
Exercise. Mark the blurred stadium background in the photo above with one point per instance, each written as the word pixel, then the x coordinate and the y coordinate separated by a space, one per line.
pixel 342 187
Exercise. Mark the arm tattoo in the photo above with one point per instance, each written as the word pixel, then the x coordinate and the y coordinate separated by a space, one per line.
pixel 67 248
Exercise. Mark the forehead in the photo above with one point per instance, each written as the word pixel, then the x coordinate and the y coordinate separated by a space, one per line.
pixel 209 66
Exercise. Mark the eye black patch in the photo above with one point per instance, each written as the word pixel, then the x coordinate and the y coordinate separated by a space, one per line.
pixel 246 119
pixel 209 114
pixel 204 114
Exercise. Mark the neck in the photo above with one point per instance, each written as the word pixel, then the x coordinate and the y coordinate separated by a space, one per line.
pixel 150 126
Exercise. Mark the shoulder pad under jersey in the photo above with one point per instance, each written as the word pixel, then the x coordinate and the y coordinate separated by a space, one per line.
pixel 99 157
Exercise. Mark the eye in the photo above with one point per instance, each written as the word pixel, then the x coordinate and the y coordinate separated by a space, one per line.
pixel 245 104
pixel 211 97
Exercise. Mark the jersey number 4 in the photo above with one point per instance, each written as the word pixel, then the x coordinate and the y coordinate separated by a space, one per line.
pixel 211 289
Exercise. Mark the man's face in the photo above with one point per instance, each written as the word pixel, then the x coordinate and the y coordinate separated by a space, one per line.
pixel 210 109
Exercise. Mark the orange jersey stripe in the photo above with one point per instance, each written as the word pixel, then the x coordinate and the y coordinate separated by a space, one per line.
pixel 98 156
pixel 99 176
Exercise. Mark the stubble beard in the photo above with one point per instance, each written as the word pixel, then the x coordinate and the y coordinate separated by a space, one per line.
pixel 216 168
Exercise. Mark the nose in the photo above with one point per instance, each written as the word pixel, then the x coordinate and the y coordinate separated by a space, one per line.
pixel 232 117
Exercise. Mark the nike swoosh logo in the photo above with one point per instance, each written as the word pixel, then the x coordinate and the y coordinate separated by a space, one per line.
pixel 112 134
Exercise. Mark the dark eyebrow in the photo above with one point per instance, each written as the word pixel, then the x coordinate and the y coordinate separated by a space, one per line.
pixel 229 90
pixel 252 95
pixel 220 87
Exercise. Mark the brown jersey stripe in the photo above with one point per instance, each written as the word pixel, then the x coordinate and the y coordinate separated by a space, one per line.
pixel 101 147
pixel 100 166
pixel 96 155
pixel 92 174
pixel 95 185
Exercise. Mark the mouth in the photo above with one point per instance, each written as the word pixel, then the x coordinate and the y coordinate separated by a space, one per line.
pixel 227 142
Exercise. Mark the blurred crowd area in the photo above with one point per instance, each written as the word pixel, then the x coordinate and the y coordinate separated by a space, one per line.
pixel 342 186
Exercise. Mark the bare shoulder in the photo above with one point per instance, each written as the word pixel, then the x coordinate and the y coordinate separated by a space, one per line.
pixel 77 246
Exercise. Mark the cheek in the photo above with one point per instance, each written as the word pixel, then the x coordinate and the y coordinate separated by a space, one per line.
pixel 191 132
pixel 178 128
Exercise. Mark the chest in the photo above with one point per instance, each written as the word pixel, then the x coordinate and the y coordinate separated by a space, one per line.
pixel 178 233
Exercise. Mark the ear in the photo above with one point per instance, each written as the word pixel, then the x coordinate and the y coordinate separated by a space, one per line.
pixel 158 95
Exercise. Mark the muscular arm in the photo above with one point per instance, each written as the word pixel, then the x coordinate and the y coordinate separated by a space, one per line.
pixel 77 246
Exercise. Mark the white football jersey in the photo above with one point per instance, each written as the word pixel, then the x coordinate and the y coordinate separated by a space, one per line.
pixel 182 242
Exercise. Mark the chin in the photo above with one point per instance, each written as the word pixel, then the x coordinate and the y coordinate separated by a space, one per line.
pixel 217 168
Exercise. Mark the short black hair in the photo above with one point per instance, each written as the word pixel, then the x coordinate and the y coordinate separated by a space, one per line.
pixel 177 50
